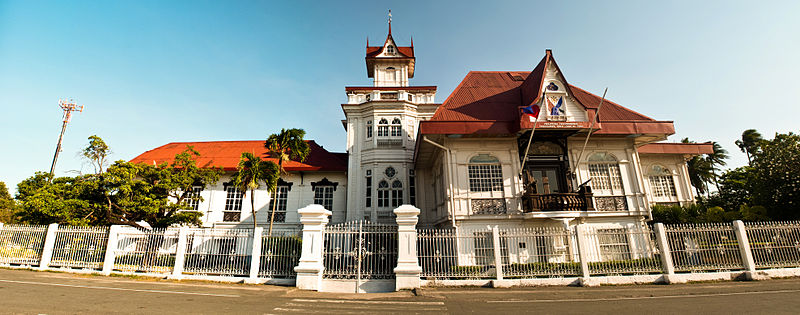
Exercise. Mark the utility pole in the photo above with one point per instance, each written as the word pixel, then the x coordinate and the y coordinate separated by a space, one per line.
pixel 68 106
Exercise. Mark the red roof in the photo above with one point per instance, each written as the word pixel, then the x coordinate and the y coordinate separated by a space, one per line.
pixel 226 154
pixel 490 101
pixel 678 148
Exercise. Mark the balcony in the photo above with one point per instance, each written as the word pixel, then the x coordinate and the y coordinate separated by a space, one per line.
pixel 579 201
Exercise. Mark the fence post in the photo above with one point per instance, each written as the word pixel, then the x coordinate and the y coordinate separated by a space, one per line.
pixel 666 254
pixel 180 253
pixel 408 269
pixel 49 243
pixel 498 258
pixel 111 247
pixel 583 253
pixel 744 249
pixel 255 256
pixel 309 269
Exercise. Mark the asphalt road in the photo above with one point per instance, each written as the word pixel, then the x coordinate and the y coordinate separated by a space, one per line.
pixel 31 292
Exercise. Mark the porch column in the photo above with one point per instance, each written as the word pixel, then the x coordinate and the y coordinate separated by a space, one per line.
pixel 408 270
pixel 309 269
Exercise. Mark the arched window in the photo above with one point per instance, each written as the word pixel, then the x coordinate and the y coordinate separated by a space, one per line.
pixel 397 193
pixel 391 73
pixel 485 173
pixel 397 126
pixel 383 128
pixel 369 129
pixel 605 174
pixel 383 194
pixel 661 182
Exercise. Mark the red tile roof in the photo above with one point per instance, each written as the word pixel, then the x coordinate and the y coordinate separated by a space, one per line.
pixel 226 154
pixel 678 148
pixel 490 101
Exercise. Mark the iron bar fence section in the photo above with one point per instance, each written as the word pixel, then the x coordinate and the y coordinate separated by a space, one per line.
pixel 280 253
pixel 622 250
pixel 704 247
pixel 222 252
pixel 360 250
pixel 539 252
pixel 774 244
pixel 147 251
pixel 21 244
pixel 80 247
pixel 456 254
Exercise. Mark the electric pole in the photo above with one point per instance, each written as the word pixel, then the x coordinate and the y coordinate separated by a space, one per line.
pixel 68 106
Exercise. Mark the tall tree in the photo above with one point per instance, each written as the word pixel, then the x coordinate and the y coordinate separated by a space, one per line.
pixel 715 159
pixel 96 152
pixel 749 143
pixel 288 145
pixel 250 172
pixel 776 179
pixel 700 171
pixel 7 205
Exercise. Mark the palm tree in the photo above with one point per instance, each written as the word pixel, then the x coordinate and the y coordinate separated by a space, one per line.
pixel 717 158
pixel 288 145
pixel 749 143
pixel 250 172
pixel 700 171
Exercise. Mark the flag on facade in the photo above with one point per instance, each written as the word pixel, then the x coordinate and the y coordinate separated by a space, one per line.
pixel 532 112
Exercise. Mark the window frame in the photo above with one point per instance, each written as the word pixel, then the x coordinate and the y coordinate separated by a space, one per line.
pixel 485 176
pixel 233 204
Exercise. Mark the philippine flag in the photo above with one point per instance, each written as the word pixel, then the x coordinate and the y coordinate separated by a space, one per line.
pixel 532 112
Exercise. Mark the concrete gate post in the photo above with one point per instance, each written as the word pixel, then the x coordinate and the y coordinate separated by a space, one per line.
pixel 744 249
pixel 47 249
pixel 111 248
pixel 408 270
pixel 309 269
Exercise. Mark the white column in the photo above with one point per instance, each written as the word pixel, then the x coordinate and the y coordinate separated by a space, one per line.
pixel 255 256
pixel 498 258
pixel 180 253
pixel 408 268
pixel 111 247
pixel 309 269
pixel 1 225
pixel 49 243
pixel 744 246
pixel 583 249
pixel 663 247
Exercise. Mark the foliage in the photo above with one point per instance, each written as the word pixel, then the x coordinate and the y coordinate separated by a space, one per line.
pixel 286 146
pixel 64 200
pixel 8 207
pixel 749 143
pixel 96 152
pixel 701 171
pixel 250 172
pixel 776 176
pixel 703 213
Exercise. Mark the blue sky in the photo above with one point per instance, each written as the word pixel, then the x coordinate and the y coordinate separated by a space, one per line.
pixel 153 72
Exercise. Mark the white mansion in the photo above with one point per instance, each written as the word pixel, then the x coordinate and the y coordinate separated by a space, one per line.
pixel 463 162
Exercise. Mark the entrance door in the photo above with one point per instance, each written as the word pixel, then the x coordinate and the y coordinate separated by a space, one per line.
pixel 548 179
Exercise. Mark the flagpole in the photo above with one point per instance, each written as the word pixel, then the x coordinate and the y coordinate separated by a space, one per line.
pixel 591 126
pixel 528 147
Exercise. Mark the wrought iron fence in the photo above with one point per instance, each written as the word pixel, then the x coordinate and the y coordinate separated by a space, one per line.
pixel 21 244
pixel 539 252
pixel 149 251
pixel 223 252
pixel 279 255
pixel 774 244
pixel 360 250
pixel 704 247
pixel 80 247
pixel 455 254
pixel 622 250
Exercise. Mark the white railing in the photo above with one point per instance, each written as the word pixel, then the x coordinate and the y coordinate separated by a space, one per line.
pixel 21 244
pixel 774 244
pixel 540 252
pixel 79 247
pixel 218 252
pixel 146 251
pixel 360 250
pixel 280 253
pixel 453 254
pixel 704 247
pixel 627 250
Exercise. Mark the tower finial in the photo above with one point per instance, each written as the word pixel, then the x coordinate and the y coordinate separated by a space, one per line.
pixel 390 21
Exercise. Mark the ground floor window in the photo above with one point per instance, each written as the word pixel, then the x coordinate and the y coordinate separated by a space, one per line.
pixel 613 244
pixel 193 198
pixel 281 196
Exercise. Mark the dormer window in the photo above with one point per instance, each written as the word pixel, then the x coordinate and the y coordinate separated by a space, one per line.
pixel 390 49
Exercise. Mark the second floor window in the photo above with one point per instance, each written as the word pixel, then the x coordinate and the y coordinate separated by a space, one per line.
pixel 281 196
pixel 383 128
pixel 661 182
pixel 397 193
pixel 193 198
pixel 485 174
pixel 369 129
pixel 397 127
pixel 383 194
pixel 605 174
pixel 233 204
pixel 369 189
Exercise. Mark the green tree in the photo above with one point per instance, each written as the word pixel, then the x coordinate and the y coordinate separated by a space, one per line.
pixel 62 200
pixel 700 171
pixel 250 172
pixel 717 159
pixel 96 152
pixel 8 207
pixel 285 146
pixel 749 143
pixel 776 176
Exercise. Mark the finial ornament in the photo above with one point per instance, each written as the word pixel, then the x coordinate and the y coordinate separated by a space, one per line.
pixel 390 21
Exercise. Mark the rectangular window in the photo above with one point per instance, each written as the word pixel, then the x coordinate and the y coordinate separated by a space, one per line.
pixel 613 244
pixel 369 131
pixel 397 197
pixel 383 131
pixel 396 131
pixel 193 198
pixel 233 204
pixel 282 196
pixel 412 188
pixel 485 177
pixel 383 198
pixel 606 178
pixel 323 195
pixel 369 192
pixel 663 186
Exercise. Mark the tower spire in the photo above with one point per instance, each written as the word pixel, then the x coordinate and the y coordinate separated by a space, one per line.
pixel 390 21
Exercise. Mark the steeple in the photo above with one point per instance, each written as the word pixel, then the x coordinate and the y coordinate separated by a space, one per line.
pixel 390 64
pixel 390 22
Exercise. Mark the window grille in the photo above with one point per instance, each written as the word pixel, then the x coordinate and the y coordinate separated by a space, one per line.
pixel 383 194
pixel 323 195
pixel 233 204
pixel 282 196
pixel 396 127
pixel 397 193
pixel 412 188
pixel 369 192
pixel 661 182
pixel 390 49
pixel 193 198
pixel 369 129
pixel 485 174
pixel 605 174
pixel 613 244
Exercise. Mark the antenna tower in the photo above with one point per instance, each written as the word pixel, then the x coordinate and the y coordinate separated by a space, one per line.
pixel 68 106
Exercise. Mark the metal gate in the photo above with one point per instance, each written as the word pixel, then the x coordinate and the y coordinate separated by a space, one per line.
pixel 360 250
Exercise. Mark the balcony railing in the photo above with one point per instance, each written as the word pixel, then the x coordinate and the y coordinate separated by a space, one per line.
pixel 579 201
